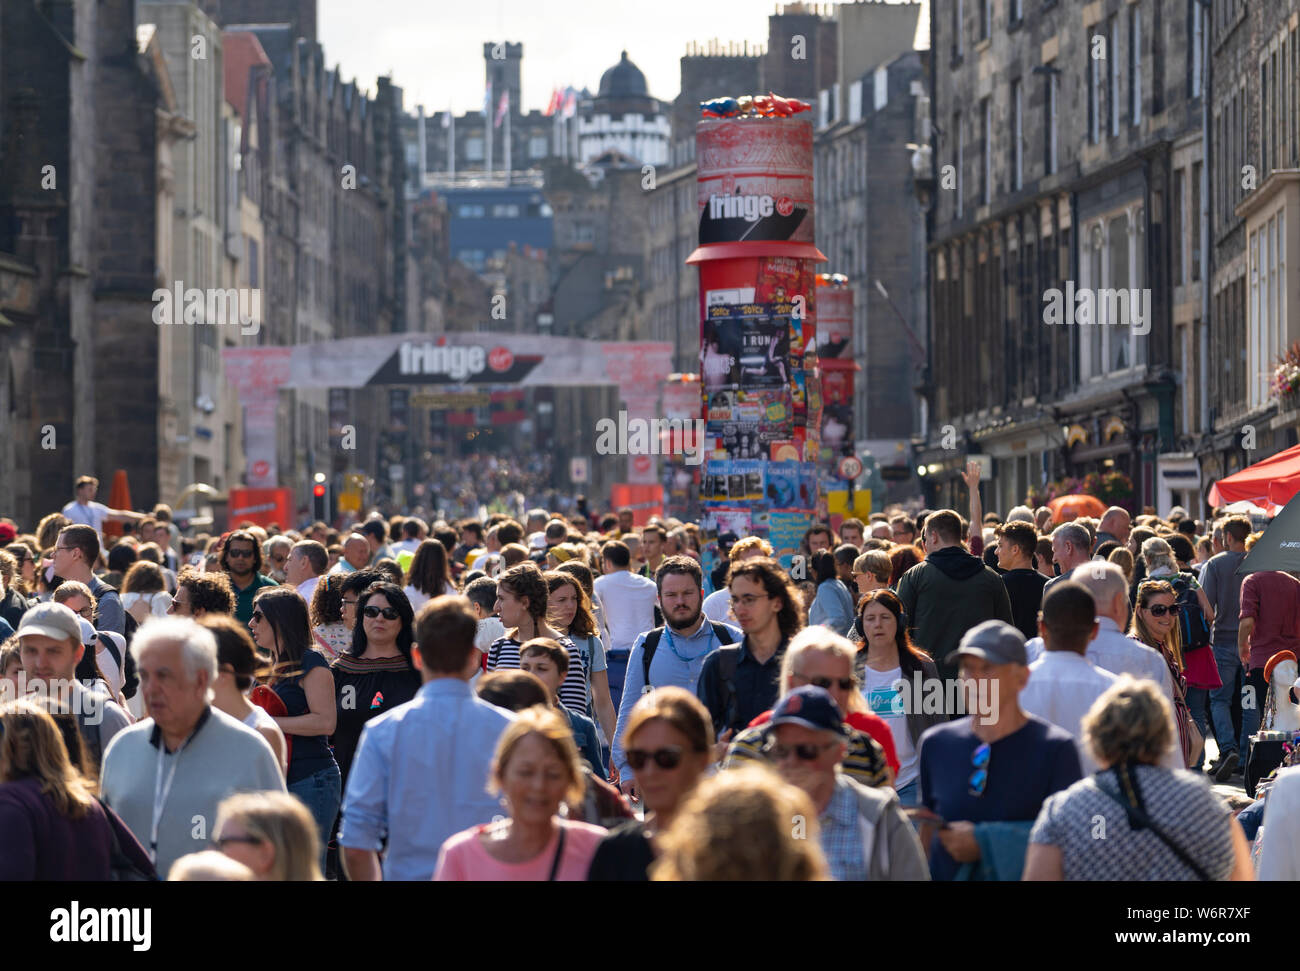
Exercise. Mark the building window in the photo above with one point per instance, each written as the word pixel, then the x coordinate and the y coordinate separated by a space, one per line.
pixel 986 19
pixel 1194 220
pixel 1094 90
pixel 1195 47
pixel 254 263
pixel 1052 157
pixel 1135 64
pixel 537 147
pixel 1176 226
pixel 1157 59
pixel 1017 11
pixel 505 211
pixel 474 149
pixel 470 211
pixel 1017 135
pixel 986 152
pixel 959 161
pixel 957 17
pixel 1112 73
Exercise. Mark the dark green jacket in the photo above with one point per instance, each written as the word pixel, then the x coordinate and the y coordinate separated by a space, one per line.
pixel 946 596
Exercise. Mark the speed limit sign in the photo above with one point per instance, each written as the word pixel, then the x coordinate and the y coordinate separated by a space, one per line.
pixel 850 467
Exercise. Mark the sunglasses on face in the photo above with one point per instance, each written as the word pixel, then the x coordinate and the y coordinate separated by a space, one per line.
pixel 777 752
pixel 221 842
pixel 240 554
pixel 1159 610
pixel 666 758
pixel 373 612
pixel 259 616
pixel 845 684
pixel 980 763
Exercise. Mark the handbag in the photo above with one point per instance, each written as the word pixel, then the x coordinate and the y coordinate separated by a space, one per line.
pixel 121 866
pixel 1138 819
pixel 1201 670
pixel 1192 739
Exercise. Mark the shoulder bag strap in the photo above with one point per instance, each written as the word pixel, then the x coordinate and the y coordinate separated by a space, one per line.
pixel 1138 819
pixel 559 854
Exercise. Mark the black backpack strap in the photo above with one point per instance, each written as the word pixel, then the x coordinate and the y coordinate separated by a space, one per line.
pixel 112 649
pixel 648 648
pixel 721 632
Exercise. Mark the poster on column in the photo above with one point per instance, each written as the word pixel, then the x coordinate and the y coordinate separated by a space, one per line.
pixel 725 520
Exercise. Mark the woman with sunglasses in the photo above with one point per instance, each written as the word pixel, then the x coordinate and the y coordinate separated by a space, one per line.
pixel 375 674
pixel 1155 624
pixel 271 833
pixel 667 745
pixel 301 676
pixel 24 581
pixel 887 655
pixel 825 659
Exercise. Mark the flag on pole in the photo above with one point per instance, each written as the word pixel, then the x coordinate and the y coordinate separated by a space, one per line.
pixel 487 101
pixel 553 105
pixel 503 106
pixel 570 103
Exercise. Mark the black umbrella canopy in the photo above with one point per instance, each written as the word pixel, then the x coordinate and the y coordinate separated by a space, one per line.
pixel 1279 547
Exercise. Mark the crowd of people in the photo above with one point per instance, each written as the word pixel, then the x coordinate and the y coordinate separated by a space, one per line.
pixel 552 696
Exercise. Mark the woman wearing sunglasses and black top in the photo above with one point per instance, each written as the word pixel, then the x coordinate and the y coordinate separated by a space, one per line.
pixel 375 674
pixel 301 677
pixel 1155 625
pixel 667 745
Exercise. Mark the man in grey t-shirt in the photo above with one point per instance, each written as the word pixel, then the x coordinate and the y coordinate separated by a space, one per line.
pixel 1222 586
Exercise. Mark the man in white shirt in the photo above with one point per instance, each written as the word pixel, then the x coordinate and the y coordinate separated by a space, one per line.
pixel 307 560
pixel 1063 684
pixel 1112 650
pixel 627 604
pixel 86 512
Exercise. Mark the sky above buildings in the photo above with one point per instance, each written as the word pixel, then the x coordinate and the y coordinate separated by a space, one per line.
pixel 433 49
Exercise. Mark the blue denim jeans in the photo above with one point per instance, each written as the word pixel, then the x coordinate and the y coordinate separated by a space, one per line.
pixel 1250 818
pixel 321 793
pixel 1230 673
pixel 616 670
pixel 910 794
pixel 1197 699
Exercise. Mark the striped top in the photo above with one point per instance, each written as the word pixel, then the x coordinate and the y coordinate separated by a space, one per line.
pixel 504 654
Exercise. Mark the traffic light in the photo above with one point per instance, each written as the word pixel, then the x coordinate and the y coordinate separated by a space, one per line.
pixel 320 502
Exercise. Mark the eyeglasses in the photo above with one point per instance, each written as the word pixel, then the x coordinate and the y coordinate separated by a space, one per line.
pixel 349 603
pixel 979 761
pixel 668 757
pixel 749 599
pixel 845 684
pixel 259 616
pixel 87 611
pixel 234 553
pixel 777 752
pixel 373 612
pixel 1159 610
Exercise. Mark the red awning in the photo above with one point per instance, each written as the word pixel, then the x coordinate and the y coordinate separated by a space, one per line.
pixel 1270 483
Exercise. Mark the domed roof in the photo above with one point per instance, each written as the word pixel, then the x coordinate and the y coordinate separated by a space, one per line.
pixel 623 80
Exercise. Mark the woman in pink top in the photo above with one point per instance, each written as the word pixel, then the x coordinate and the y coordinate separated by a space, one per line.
pixel 536 768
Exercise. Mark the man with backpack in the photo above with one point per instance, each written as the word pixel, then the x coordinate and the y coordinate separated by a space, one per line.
pixel 1222 586
pixel 673 654
pixel 75 551
pixel 738 683
pixel 51 647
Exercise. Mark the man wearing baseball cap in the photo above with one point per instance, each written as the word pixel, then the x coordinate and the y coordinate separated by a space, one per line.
pixel 51 646
pixel 864 833
pixel 984 777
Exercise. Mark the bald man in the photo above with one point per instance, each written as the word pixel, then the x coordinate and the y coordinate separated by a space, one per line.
pixel 1114 527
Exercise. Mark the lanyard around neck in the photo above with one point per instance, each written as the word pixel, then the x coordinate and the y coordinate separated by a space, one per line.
pixel 161 790
pixel 668 636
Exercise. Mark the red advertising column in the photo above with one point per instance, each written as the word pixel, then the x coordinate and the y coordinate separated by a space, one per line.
pixel 762 397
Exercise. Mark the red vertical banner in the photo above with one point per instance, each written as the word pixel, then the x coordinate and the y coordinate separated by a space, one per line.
pixel 758 363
